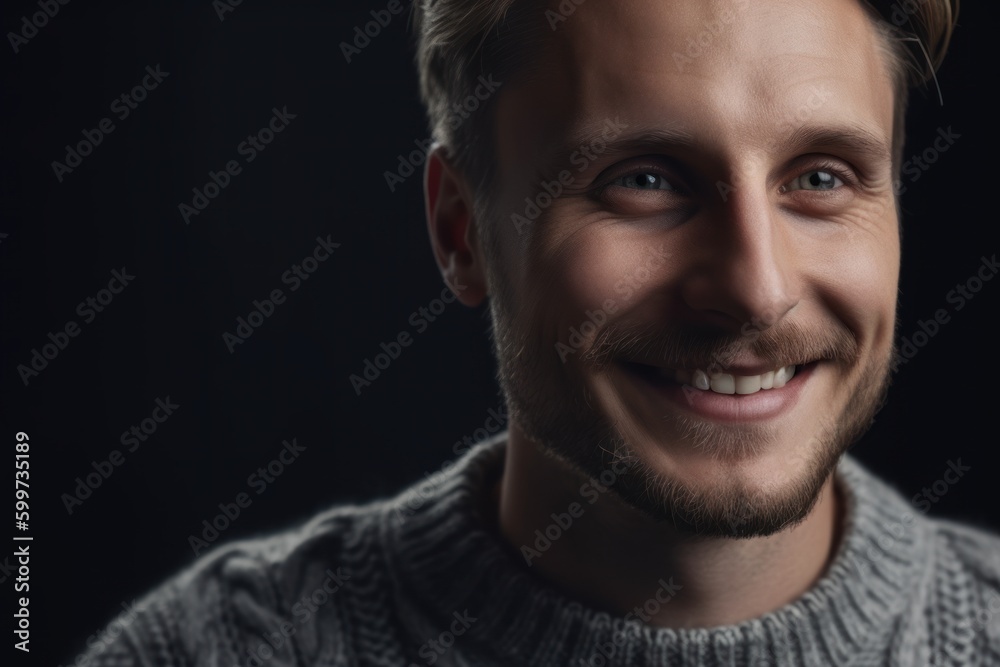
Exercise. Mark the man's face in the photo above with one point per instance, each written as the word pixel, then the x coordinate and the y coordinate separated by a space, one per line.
pixel 724 211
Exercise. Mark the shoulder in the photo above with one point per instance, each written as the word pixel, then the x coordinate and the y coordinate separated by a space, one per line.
pixel 328 590
pixel 258 597
pixel 959 600
pixel 969 559
pixel 978 548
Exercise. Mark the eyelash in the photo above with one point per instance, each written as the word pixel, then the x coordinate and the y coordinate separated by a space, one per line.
pixel 845 175
pixel 640 170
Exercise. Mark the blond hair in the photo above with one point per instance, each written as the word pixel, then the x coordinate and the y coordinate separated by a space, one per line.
pixel 459 41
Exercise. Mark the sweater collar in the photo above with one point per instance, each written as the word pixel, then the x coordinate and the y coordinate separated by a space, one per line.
pixel 448 558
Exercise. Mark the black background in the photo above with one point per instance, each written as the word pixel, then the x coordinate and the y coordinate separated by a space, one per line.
pixel 324 175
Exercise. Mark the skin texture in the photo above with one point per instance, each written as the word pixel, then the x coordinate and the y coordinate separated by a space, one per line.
pixel 698 217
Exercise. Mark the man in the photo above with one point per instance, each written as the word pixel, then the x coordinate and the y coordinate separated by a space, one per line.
pixel 684 217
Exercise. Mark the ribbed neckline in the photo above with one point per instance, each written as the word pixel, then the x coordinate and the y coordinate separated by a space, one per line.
pixel 446 559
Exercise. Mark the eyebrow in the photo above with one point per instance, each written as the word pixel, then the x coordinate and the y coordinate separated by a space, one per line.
pixel 648 140
pixel 642 138
pixel 853 139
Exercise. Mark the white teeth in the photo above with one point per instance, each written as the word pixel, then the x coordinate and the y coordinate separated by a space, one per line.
pixel 783 375
pixel 727 383
pixel 747 384
pixel 723 383
pixel 767 380
pixel 700 380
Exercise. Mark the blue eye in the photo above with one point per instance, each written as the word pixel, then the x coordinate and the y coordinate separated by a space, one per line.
pixel 817 179
pixel 645 180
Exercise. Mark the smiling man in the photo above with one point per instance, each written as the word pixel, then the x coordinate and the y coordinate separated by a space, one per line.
pixel 683 216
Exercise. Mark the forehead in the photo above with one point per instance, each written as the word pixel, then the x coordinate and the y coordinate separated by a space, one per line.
pixel 736 75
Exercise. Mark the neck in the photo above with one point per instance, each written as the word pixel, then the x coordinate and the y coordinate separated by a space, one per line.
pixel 609 554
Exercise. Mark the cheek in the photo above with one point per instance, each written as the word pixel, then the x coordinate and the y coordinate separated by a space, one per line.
pixel 586 274
pixel 600 268
pixel 859 280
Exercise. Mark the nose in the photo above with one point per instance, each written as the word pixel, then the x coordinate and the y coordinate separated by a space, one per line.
pixel 746 272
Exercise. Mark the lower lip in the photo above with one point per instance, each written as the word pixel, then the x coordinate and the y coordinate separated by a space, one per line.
pixel 764 404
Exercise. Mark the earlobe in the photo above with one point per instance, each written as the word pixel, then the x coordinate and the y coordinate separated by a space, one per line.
pixel 450 223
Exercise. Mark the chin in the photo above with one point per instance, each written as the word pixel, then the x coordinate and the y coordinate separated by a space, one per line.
pixel 710 463
pixel 752 490
pixel 706 476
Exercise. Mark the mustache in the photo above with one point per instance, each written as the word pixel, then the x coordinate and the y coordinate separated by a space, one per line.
pixel 689 347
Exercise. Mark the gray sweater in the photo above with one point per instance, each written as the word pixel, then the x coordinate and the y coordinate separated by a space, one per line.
pixel 423 579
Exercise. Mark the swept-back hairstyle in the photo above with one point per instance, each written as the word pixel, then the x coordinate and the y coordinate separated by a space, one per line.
pixel 458 41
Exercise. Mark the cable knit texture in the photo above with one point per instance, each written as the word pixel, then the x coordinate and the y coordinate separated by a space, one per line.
pixel 423 579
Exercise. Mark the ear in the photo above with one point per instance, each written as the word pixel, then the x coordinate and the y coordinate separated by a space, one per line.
pixel 452 228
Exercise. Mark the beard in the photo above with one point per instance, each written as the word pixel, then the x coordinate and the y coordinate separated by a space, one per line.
pixel 556 408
